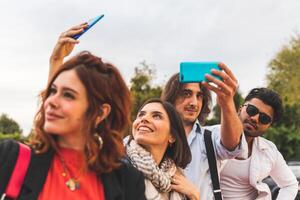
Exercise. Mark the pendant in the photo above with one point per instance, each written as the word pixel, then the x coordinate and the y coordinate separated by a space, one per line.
pixel 72 184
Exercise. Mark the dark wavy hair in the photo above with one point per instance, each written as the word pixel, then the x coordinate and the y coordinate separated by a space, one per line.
pixel 179 151
pixel 104 84
pixel 270 98
pixel 174 89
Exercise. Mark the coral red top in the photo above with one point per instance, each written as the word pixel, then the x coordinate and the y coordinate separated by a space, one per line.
pixel 90 187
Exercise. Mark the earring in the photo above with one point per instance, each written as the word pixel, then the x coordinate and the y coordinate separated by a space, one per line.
pixel 100 140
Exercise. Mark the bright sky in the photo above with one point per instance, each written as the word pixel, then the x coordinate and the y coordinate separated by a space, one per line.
pixel 245 35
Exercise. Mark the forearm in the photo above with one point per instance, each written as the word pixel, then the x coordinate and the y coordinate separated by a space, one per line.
pixel 231 126
pixel 55 63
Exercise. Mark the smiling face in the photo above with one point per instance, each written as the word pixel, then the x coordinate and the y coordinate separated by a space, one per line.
pixel 251 124
pixel 151 128
pixel 66 105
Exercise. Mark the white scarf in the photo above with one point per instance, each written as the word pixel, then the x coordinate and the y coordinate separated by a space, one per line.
pixel 157 179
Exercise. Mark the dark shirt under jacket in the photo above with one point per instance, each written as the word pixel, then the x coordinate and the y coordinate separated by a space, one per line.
pixel 124 183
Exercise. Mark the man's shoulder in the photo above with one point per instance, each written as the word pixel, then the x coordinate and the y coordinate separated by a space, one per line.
pixel 265 143
pixel 215 129
pixel 267 146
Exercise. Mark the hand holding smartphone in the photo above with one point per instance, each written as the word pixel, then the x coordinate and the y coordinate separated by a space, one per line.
pixel 91 23
pixel 191 72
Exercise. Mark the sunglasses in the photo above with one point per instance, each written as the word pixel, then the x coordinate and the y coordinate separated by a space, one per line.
pixel 262 118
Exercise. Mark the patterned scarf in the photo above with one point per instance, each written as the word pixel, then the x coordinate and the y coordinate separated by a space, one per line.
pixel 157 179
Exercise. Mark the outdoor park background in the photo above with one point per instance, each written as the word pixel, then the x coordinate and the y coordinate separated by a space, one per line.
pixel 258 40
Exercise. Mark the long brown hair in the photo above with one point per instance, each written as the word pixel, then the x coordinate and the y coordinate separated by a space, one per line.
pixel 104 84
pixel 173 90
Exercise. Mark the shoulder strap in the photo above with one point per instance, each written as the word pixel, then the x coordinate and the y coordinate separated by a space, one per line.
pixel 212 164
pixel 18 175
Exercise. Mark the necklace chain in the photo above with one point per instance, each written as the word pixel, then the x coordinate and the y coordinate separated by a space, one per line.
pixel 72 183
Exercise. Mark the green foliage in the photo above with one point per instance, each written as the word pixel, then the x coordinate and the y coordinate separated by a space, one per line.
pixel 283 77
pixel 284 72
pixel 15 136
pixel 287 139
pixel 8 125
pixel 141 88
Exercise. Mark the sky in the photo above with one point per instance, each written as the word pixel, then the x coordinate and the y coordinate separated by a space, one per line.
pixel 245 35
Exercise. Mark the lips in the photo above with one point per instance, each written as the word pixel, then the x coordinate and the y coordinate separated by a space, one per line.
pixel 250 124
pixel 50 116
pixel 144 128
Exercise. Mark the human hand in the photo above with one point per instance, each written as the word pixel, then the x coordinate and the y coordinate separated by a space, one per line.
pixel 226 88
pixel 182 185
pixel 64 47
pixel 66 43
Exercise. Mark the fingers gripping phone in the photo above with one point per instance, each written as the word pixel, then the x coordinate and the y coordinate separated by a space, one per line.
pixel 191 72
pixel 91 23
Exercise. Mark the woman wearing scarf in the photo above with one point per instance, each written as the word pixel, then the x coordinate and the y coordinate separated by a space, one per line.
pixel 158 148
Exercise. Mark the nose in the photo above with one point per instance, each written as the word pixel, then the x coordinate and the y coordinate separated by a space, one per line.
pixel 52 101
pixel 144 118
pixel 255 118
pixel 193 100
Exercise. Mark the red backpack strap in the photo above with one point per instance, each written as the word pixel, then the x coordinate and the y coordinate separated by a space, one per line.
pixel 18 175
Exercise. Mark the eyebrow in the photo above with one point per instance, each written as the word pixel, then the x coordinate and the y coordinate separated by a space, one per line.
pixel 66 89
pixel 152 112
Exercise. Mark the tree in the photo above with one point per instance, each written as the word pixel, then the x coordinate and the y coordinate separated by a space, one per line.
pixel 284 72
pixel 141 88
pixel 283 77
pixel 8 125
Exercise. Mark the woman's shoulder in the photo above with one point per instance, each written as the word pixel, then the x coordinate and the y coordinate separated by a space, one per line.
pixel 129 170
pixel 8 148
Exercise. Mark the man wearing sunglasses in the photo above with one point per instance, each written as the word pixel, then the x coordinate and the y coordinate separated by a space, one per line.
pixel 242 178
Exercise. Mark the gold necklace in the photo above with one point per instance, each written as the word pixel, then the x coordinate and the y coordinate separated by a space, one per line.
pixel 72 183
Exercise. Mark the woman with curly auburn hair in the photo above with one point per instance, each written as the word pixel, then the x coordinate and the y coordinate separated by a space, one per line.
pixel 77 147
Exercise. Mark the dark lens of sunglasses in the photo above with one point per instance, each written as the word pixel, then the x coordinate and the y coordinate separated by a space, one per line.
pixel 251 110
pixel 264 119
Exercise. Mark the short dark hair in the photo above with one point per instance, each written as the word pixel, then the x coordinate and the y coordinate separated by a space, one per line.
pixel 179 151
pixel 173 90
pixel 269 97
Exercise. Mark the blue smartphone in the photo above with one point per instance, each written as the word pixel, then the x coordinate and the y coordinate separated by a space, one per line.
pixel 193 72
pixel 91 23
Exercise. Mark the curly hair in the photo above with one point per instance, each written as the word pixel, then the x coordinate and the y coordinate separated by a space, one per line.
pixel 104 84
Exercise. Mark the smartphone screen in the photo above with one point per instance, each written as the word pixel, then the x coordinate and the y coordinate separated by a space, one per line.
pixel 191 72
pixel 91 23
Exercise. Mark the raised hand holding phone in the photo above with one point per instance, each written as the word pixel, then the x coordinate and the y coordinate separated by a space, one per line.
pixel 91 23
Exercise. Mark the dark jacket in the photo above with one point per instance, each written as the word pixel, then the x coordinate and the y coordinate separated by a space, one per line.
pixel 124 183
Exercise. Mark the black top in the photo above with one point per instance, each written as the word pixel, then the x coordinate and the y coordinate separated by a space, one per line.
pixel 124 183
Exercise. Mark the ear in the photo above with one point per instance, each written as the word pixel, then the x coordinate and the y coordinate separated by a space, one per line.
pixel 171 139
pixel 240 109
pixel 105 111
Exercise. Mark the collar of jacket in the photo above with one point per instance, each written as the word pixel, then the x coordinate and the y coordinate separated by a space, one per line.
pixel 37 174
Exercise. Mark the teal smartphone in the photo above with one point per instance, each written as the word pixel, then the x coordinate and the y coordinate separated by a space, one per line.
pixel 91 23
pixel 193 72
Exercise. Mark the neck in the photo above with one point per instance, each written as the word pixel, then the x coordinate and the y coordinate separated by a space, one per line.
pixel 250 144
pixel 157 153
pixel 71 142
pixel 188 128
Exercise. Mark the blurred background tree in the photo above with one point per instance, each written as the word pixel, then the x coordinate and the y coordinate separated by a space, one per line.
pixel 141 86
pixel 9 128
pixel 283 77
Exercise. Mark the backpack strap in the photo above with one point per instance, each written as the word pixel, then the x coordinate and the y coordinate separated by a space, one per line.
pixel 16 180
pixel 212 164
